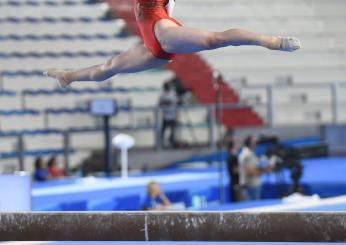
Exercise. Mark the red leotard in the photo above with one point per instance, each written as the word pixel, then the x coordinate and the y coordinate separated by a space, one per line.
pixel 148 12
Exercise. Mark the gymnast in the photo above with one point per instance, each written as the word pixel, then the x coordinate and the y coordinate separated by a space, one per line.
pixel 164 37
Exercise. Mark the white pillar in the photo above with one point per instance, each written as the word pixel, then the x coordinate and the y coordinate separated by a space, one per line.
pixel 124 164
pixel 270 106
pixel 124 142
pixel 335 102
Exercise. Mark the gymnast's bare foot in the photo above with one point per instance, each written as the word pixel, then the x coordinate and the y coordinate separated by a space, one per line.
pixel 59 75
pixel 287 44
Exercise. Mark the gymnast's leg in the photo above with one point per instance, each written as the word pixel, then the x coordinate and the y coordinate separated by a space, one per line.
pixel 181 40
pixel 136 59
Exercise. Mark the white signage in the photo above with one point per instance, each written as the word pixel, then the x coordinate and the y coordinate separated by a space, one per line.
pixel 15 192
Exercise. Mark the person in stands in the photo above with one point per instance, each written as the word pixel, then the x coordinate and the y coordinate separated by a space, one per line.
pixel 250 171
pixel 40 173
pixel 53 169
pixel 168 102
pixel 233 169
pixel 156 200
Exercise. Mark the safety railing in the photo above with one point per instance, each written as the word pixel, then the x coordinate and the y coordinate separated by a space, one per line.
pixel 191 119
pixel 297 104
pixel 291 104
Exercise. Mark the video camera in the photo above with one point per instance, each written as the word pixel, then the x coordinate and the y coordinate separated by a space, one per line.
pixel 285 157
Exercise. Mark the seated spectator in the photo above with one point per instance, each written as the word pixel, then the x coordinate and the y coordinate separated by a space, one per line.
pixel 53 169
pixel 40 173
pixel 156 200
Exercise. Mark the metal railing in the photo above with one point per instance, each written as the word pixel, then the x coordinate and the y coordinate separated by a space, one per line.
pixel 207 122
pixel 276 104
pixel 315 103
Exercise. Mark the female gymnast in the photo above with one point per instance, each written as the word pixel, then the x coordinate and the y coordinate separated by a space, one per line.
pixel 164 37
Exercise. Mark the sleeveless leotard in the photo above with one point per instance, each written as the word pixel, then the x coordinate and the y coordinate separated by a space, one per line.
pixel 148 12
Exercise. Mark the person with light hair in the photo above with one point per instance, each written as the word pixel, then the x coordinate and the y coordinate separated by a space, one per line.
pixel 156 200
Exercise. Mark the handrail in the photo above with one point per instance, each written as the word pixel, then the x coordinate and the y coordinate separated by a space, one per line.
pixel 51 20
pixel 52 37
pixel 291 85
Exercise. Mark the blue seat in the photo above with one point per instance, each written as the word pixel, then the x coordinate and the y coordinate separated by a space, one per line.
pixel 35 132
pixel 52 37
pixel 19 112
pixel 22 73
pixel 7 93
pixel 35 153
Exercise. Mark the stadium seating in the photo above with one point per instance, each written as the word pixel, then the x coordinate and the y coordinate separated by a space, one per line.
pixel 36 35
pixel 9 97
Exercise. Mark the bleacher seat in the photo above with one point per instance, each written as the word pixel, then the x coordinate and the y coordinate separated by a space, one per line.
pixel 52 141
pixel 38 99
pixel 61 28
pixel 8 144
pixel 9 100
pixel 59 46
pixel 53 12
pixel 21 119
pixel 70 118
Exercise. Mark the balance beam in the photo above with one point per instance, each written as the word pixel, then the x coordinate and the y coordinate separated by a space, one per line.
pixel 174 226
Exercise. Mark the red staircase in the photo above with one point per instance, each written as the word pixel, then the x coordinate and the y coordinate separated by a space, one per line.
pixel 196 74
